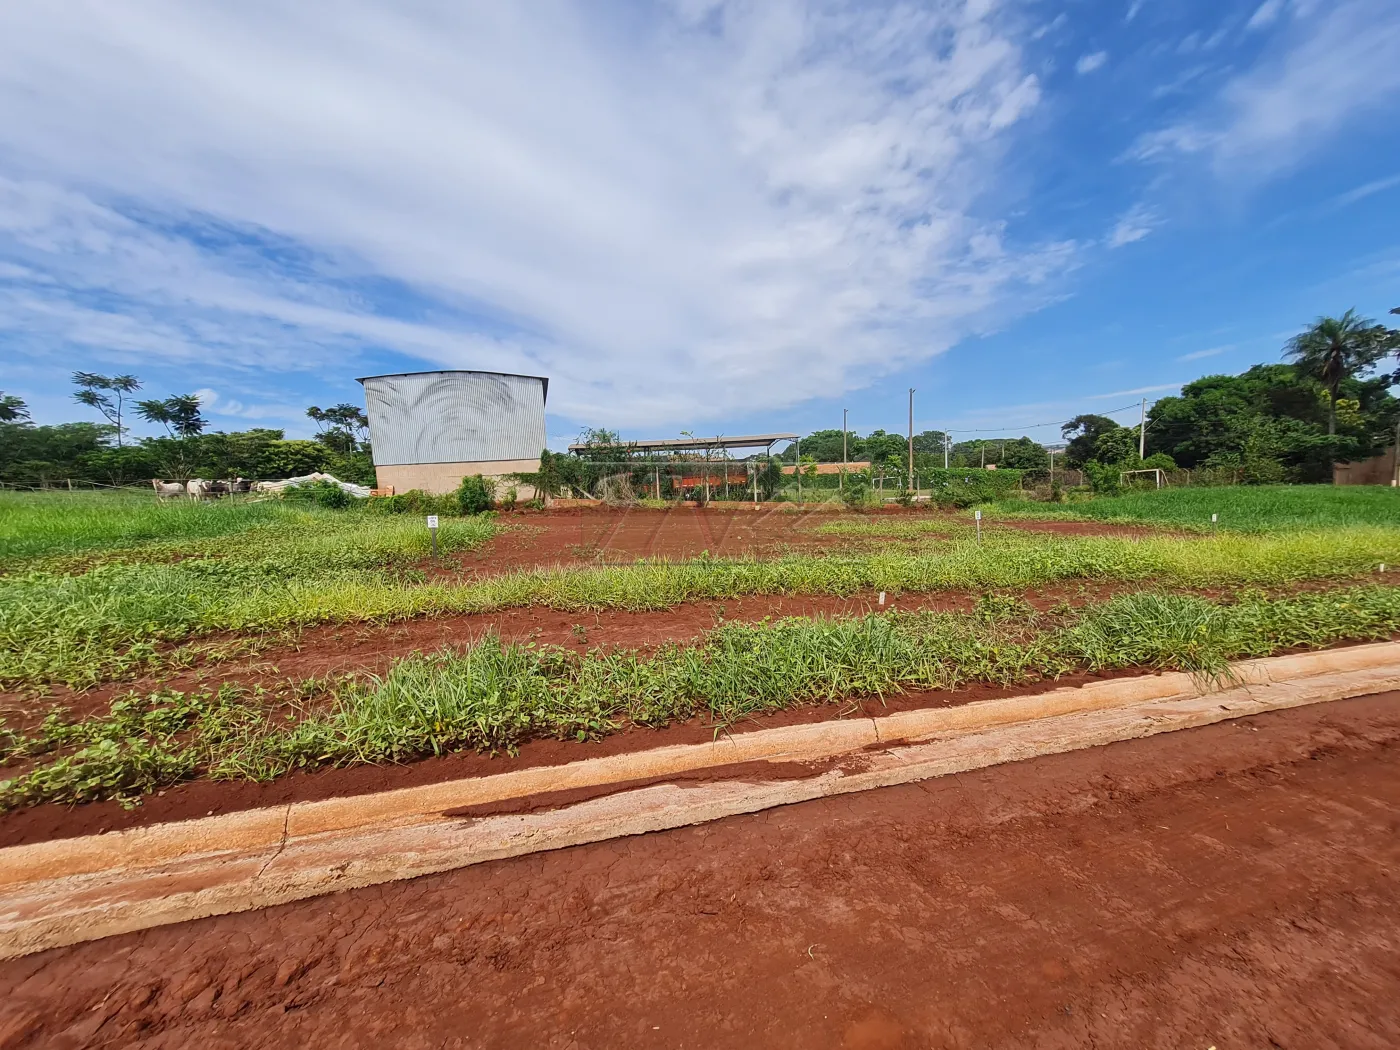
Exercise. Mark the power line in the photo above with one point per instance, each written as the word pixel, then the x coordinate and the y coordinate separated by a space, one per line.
pixel 1034 426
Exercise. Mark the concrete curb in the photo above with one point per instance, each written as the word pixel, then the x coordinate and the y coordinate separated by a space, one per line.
pixel 72 890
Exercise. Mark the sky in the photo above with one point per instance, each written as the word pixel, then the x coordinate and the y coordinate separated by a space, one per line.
pixel 696 215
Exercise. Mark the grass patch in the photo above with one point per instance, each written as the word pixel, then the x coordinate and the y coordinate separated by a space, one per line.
pixel 1242 508
pixel 110 621
pixel 42 524
pixel 494 696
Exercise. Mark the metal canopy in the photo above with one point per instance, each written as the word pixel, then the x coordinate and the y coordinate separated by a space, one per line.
pixel 690 444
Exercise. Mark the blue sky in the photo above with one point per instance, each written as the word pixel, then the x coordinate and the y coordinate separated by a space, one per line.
pixel 696 215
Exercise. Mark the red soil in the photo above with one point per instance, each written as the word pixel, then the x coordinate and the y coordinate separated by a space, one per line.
pixel 1231 886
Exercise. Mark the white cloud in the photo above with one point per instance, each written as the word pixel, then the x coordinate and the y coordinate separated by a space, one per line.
pixel 1133 10
pixel 1089 63
pixel 1136 391
pixel 1133 225
pixel 1333 64
pixel 1049 27
pixel 677 215
pixel 1199 355
pixel 1265 14
pixel 1364 191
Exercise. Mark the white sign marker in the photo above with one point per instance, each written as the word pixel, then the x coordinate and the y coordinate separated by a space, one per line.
pixel 977 514
pixel 432 521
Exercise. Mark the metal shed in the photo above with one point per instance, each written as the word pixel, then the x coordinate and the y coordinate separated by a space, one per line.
pixel 429 430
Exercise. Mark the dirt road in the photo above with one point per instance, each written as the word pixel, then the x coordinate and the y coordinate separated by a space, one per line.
pixel 1234 886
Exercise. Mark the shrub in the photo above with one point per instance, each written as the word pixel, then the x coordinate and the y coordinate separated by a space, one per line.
pixel 475 494
pixel 415 501
pixel 321 493
pixel 967 487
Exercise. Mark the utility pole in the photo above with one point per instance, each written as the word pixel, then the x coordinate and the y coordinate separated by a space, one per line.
pixel 797 469
pixel 1142 431
pixel 947 443
pixel 910 485
pixel 1396 479
pixel 1052 464
pixel 841 482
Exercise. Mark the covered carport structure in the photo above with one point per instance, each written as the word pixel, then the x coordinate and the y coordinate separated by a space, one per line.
pixel 690 444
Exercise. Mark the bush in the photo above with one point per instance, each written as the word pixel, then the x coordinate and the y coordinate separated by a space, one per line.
pixel 967 487
pixel 855 491
pixel 321 493
pixel 475 494
pixel 415 501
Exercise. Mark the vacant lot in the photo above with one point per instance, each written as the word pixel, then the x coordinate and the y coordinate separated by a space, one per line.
pixel 146 645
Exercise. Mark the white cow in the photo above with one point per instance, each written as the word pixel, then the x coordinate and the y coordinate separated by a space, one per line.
pixel 167 489
pixel 198 488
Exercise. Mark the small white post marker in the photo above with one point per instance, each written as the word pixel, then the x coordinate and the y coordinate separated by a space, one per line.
pixel 432 531
pixel 977 516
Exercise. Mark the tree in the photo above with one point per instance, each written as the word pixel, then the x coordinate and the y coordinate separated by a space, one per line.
pixel 1024 454
pixel 106 394
pixel 178 414
pixel 342 428
pixel 1334 349
pixel 1083 433
pixel 12 408
pixel 930 441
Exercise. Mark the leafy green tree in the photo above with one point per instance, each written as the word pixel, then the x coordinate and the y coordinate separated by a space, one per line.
pixel 178 414
pixel 107 394
pixel 1335 349
pixel 342 428
pixel 1118 446
pixel 12 408
pixel 929 442
pixel 1083 433
pixel 293 459
pixel 37 454
pixel 1024 454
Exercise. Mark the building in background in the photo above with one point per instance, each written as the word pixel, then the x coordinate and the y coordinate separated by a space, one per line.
pixel 429 430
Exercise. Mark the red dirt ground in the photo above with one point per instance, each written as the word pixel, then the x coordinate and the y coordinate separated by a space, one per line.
pixel 592 534
pixel 1233 886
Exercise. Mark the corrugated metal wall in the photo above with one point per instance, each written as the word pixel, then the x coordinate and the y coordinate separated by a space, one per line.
pixel 454 417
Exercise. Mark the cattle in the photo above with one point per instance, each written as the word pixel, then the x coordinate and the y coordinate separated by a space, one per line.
pixel 167 489
pixel 240 486
pixel 196 488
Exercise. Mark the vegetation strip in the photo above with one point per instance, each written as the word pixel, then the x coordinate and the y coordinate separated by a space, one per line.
pixel 111 621
pixel 495 696
pixel 65 892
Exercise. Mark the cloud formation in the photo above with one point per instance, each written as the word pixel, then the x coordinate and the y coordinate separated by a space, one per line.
pixel 1329 65
pixel 1089 63
pixel 1134 225
pixel 677 214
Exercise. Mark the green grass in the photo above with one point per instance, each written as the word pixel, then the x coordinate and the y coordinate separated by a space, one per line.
pixel 495 696
pixel 1243 508
pixel 40 524
pixel 83 628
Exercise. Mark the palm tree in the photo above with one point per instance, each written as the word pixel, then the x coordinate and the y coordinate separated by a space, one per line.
pixel 1334 349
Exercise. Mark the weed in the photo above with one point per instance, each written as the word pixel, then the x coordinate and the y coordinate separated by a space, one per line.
pixel 495 696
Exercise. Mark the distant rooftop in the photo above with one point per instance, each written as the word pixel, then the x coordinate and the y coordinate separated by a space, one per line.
pixel 691 444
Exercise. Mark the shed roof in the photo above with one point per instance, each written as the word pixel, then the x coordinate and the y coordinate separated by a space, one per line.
pixel 686 444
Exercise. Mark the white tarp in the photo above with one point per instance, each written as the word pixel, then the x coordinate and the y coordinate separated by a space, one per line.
pixel 308 479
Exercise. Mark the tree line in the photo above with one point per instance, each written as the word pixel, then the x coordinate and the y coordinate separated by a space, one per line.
pixel 102 451
pixel 1328 401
